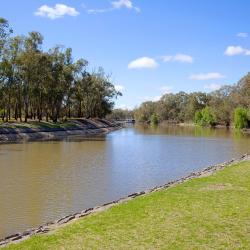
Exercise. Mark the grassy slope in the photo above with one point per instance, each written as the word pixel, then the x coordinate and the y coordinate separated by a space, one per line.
pixel 205 213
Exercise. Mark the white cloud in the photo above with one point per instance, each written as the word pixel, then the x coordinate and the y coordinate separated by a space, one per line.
pixel 167 58
pixel 156 98
pixel 95 11
pixel 150 98
pixel 207 76
pixel 143 62
pixel 183 58
pixel 124 4
pixel 212 86
pixel 166 89
pixel 58 11
pixel 119 4
pixel 119 88
pixel 178 58
pixel 236 50
pixel 124 106
pixel 147 62
pixel 242 35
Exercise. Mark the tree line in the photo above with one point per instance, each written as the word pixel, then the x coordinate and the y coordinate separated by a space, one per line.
pixel 227 106
pixel 38 84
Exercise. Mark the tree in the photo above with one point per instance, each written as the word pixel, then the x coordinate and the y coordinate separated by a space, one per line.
pixel 29 65
pixel 145 111
pixel 222 104
pixel 241 92
pixel 10 75
pixel 195 101
pixel 37 83
pixel 5 31
pixel 121 114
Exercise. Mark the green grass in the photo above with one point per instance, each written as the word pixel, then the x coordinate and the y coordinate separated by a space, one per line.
pixel 205 213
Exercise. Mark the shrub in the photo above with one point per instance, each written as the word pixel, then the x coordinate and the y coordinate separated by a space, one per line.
pixel 205 117
pixel 240 118
pixel 154 119
pixel 198 117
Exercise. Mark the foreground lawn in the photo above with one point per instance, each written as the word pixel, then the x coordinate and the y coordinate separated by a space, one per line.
pixel 205 213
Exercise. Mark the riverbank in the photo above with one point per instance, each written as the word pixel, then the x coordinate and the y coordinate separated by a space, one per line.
pixel 211 211
pixel 12 132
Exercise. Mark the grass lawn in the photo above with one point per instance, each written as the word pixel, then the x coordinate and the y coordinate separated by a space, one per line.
pixel 205 213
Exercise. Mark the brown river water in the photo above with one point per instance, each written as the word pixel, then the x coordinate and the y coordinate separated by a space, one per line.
pixel 43 181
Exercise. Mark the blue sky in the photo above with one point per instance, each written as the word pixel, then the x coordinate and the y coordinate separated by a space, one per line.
pixel 150 47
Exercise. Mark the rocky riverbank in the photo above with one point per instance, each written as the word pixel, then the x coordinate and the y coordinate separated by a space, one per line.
pixel 78 127
pixel 73 217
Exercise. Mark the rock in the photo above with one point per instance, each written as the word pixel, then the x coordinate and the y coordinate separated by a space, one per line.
pixel 12 236
pixel 2 243
pixel 61 219
pixel 133 195
pixel 67 219
pixel 89 209
pixel 27 232
pixel 108 203
pixel 19 237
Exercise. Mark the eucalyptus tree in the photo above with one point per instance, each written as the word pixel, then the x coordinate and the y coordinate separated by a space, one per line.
pixel 95 94
pixel 241 92
pixel 5 32
pixel 196 102
pixel 39 91
pixel 37 83
pixel 102 96
pixel 10 75
pixel 222 104
pixel 29 64
pixel 17 47
pixel 72 73
pixel 146 110
pixel 57 84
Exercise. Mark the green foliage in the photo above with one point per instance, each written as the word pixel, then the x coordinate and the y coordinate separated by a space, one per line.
pixel 5 31
pixel 205 117
pixel 241 118
pixel 145 111
pixel 154 119
pixel 49 84
pixel 121 114
pixel 198 117
pixel 177 107
pixel 184 107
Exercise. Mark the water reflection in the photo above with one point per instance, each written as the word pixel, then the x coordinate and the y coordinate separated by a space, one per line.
pixel 42 181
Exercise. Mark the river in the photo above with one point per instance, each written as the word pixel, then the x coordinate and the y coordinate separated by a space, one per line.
pixel 43 181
